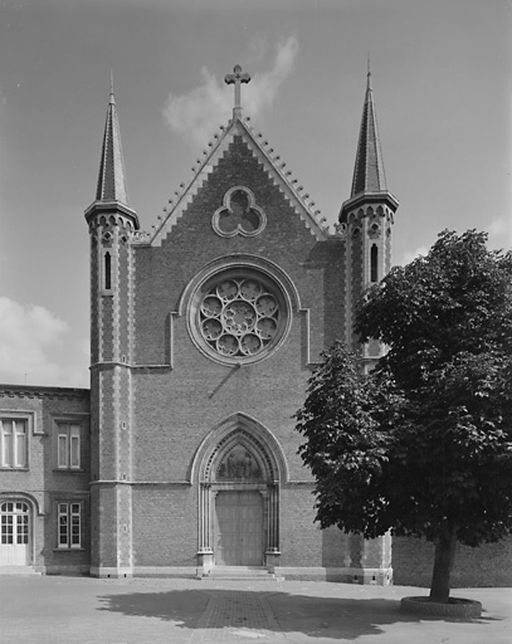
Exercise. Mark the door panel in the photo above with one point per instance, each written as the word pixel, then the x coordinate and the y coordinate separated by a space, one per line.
pixel 239 528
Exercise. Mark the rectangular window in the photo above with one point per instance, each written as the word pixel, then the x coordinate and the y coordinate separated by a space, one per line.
pixel 13 439
pixel 75 525
pixel 7 531
pixel 374 263
pixel 63 450
pixel 74 449
pixel 68 447
pixel 69 525
pixel 108 271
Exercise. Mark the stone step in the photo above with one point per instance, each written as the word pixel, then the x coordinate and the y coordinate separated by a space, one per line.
pixel 244 573
pixel 18 570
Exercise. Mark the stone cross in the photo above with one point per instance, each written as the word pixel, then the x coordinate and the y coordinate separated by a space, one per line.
pixel 236 79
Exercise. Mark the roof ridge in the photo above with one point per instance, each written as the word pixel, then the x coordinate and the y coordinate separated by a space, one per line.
pixel 185 186
pixel 303 198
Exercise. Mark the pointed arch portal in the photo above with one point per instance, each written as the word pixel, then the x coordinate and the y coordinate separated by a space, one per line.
pixel 239 467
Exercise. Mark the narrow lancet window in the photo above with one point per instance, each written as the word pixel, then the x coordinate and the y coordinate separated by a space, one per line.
pixel 108 272
pixel 374 263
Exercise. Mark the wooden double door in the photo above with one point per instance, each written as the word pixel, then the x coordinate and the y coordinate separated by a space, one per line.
pixel 239 528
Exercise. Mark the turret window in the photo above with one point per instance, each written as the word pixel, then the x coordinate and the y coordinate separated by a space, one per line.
pixel 108 271
pixel 374 263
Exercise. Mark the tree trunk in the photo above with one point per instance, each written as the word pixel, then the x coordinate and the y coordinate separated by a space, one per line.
pixel 443 564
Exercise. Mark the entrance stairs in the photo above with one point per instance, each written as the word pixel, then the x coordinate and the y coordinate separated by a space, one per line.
pixel 18 570
pixel 242 573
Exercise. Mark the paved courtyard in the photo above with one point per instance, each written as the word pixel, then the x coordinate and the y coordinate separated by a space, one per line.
pixel 58 610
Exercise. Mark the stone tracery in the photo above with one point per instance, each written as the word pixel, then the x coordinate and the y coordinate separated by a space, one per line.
pixel 239 214
pixel 239 465
pixel 239 316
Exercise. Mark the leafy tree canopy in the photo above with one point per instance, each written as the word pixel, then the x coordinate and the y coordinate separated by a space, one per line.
pixel 423 443
pixel 451 304
pixel 447 322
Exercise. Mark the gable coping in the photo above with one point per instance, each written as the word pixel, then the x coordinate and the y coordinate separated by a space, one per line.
pixel 204 167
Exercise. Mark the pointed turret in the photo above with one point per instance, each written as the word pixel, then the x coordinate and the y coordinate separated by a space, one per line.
pixel 111 178
pixel 369 173
pixel 367 218
pixel 111 188
pixel 112 227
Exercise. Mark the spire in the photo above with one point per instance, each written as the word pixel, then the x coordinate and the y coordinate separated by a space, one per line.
pixel 369 173
pixel 111 179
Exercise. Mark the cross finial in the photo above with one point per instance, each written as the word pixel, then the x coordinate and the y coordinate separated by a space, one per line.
pixel 237 78
pixel 112 98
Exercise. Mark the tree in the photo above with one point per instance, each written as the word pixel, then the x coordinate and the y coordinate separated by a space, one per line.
pixel 422 444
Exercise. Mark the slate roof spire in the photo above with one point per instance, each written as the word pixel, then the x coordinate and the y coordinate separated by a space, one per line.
pixel 111 179
pixel 369 173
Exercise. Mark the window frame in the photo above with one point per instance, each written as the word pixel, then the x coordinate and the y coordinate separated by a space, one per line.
pixel 107 271
pixel 72 432
pixel 238 274
pixel 69 525
pixel 374 263
pixel 10 447
pixel 15 531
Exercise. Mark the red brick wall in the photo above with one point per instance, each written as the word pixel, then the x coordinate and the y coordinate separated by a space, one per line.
pixel 163 272
pixel 165 526
pixel 301 538
pixel 175 409
pixel 489 565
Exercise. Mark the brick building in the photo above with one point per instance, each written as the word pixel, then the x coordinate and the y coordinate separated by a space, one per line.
pixel 182 458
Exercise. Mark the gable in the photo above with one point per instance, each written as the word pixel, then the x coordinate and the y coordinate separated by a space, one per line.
pixel 238 159
pixel 238 209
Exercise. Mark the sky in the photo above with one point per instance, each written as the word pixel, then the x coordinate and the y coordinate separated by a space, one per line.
pixel 441 74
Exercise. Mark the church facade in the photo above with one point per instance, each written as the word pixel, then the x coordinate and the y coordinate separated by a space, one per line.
pixel 182 458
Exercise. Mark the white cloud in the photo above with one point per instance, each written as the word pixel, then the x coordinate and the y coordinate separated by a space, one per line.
pixel 261 92
pixel 499 237
pixel 29 337
pixel 258 49
pixel 500 233
pixel 196 115
pixel 409 255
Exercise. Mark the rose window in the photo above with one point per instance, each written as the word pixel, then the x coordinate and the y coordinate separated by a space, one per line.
pixel 240 316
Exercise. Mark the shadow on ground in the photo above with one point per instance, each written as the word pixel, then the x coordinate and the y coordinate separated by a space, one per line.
pixel 314 616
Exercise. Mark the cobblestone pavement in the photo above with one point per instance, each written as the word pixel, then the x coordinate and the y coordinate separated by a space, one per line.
pixel 243 616
pixel 80 610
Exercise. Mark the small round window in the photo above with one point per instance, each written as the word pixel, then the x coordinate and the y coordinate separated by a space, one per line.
pixel 239 315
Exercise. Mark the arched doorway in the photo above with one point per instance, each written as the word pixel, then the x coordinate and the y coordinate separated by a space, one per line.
pixel 239 480
pixel 15 533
